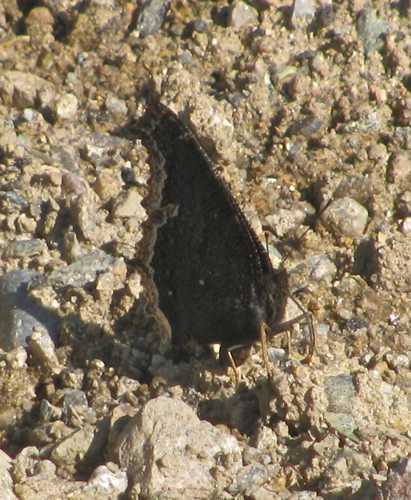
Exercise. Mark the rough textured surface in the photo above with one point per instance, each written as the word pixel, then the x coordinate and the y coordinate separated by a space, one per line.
pixel 167 450
pixel 295 103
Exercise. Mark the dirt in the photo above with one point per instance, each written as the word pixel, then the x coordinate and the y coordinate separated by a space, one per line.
pixel 296 112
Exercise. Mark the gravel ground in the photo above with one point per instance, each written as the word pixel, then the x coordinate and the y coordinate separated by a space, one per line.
pixel 296 104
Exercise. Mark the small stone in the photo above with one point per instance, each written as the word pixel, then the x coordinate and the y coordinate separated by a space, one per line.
pixel 70 452
pixel 340 390
pixel 248 479
pixel 115 105
pixel 399 169
pixel 325 15
pixel 49 412
pixel 357 186
pixel 66 107
pixel 83 211
pixel 371 30
pixel 8 134
pixel 72 183
pixel 306 127
pixel 66 156
pixel 353 325
pixel 110 281
pixel 283 221
pixel 25 90
pixel 322 268
pixel 108 481
pixel 23 248
pixel 43 351
pixel 165 434
pixel 345 217
pixel 405 226
pixel 108 185
pixel 73 397
pixel 378 152
pixel 241 14
pixel 303 8
pixel 20 313
pixel 82 271
pixel 39 15
pixel 128 204
pixel 151 16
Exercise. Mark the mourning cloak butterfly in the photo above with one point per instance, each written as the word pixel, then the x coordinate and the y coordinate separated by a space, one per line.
pixel 207 275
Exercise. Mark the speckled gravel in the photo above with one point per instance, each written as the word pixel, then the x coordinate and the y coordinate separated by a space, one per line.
pixel 297 104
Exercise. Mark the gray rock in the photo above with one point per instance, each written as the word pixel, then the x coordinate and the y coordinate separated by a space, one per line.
pixel 371 30
pixel 306 126
pixel 115 105
pixel 167 450
pixel 321 267
pixel 23 248
pixel 356 186
pixel 303 8
pixel 19 312
pixel 151 16
pixel 340 390
pixel 82 271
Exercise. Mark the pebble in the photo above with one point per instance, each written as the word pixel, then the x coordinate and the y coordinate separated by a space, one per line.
pixel 283 221
pixel 151 16
pixel 66 107
pixel 302 8
pixel 72 183
pixel 82 271
pixel 340 390
pixel 166 449
pixel 345 217
pixel 128 204
pixel 43 351
pixel 248 479
pixel 405 226
pixel 23 248
pixel 107 479
pixel 115 105
pixel 306 127
pixel 242 14
pixel 325 15
pixel 83 447
pixel 371 30
pixel 66 157
pixel 322 267
pixel 20 313
pixel 357 186
pixel 399 169
pixel 26 90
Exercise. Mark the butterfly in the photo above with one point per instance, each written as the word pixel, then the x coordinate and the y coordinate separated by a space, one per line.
pixel 208 277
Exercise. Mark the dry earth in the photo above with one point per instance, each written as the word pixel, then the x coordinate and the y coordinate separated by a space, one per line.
pixel 295 104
